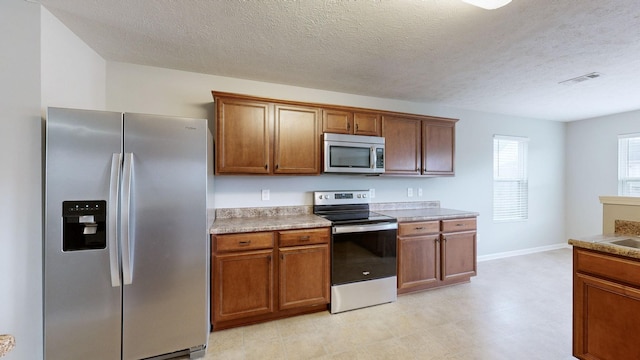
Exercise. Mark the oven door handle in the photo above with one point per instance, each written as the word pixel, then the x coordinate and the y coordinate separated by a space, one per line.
pixel 345 229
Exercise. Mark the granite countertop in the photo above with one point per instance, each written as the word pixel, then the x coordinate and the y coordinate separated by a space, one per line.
pixel 237 220
pixel 267 223
pixel 427 214
pixel 602 242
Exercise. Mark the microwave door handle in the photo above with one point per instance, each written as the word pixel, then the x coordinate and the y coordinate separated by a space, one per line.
pixel 372 165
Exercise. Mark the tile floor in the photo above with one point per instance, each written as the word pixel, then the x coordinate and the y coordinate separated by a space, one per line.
pixel 516 308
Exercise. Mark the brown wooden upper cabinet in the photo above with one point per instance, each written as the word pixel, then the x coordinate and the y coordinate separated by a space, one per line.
pixel 349 122
pixel 243 136
pixel 419 145
pixel 297 140
pixel 438 147
pixel 402 145
pixel 257 136
pixel 272 137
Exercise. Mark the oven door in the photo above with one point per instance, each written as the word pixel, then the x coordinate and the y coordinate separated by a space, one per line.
pixel 363 252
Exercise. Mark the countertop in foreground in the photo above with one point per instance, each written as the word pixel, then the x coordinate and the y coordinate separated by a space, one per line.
pixel 603 243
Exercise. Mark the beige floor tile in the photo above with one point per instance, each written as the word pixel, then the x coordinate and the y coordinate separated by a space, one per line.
pixel 516 308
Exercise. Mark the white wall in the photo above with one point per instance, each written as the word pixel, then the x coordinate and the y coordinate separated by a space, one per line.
pixel 73 75
pixel 170 92
pixel 43 64
pixel 20 183
pixel 592 168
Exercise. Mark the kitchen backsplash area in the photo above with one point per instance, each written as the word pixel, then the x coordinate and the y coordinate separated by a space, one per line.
pixel 620 215
pixel 626 227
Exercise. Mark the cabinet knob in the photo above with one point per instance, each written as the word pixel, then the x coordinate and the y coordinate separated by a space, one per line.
pixel 348 126
pixel 356 126
pixel 277 166
pixel 266 166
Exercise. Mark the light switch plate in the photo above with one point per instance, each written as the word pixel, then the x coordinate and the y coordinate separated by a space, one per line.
pixel 265 194
pixel 409 192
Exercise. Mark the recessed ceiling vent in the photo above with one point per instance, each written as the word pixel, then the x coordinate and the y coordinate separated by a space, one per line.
pixel 579 79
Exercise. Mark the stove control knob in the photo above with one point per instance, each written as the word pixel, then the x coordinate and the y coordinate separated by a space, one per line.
pixel 364 196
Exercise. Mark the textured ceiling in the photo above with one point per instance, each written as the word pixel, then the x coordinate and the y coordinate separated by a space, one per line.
pixel 445 52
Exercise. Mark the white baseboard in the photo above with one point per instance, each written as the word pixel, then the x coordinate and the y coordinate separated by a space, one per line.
pixel 522 252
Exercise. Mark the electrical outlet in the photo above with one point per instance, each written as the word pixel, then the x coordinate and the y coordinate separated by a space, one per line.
pixel 419 191
pixel 265 194
pixel 372 193
pixel 409 192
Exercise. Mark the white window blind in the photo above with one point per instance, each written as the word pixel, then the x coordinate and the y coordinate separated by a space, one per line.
pixel 629 165
pixel 510 185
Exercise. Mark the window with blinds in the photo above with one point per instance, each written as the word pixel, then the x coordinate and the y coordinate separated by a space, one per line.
pixel 510 185
pixel 629 165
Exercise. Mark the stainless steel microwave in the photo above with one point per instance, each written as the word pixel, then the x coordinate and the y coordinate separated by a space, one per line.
pixel 354 154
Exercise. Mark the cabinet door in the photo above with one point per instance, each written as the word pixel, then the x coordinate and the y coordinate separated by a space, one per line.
pixel 418 260
pixel 458 255
pixel 297 140
pixel 606 319
pixel 337 121
pixel 243 136
pixel 402 145
pixel 304 276
pixel 438 144
pixel 367 124
pixel 243 285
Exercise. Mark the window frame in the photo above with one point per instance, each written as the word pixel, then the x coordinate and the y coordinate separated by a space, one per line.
pixel 629 162
pixel 511 190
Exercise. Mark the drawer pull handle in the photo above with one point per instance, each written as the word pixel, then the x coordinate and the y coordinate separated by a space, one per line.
pixel 305 238
pixel 420 228
pixel 459 224
pixel 244 242
pixel 365 273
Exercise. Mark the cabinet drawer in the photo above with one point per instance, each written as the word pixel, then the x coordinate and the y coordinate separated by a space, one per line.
pixel 418 228
pixel 303 237
pixel 241 242
pixel 458 225
pixel 607 266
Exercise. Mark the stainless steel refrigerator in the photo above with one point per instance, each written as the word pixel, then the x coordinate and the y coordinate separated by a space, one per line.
pixel 125 246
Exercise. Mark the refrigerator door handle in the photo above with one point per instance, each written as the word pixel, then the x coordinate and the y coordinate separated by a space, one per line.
pixel 125 225
pixel 114 194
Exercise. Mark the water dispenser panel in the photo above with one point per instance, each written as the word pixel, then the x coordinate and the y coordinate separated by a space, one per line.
pixel 84 225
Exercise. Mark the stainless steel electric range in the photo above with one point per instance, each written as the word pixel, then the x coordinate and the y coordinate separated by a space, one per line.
pixel 363 250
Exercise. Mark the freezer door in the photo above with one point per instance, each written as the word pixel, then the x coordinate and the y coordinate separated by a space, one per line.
pixel 82 302
pixel 165 243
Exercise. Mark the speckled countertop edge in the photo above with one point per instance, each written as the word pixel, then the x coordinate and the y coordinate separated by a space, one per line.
pixel 236 220
pixel 602 242
pixel 428 214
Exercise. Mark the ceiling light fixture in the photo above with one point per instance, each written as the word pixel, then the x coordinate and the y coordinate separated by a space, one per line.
pixel 488 4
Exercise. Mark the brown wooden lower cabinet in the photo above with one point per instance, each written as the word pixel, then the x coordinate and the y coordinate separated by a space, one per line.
pixel 243 284
pixel 262 276
pixel 606 306
pixel 304 276
pixel 435 253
